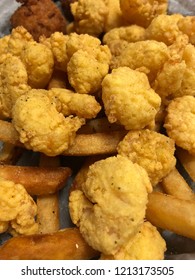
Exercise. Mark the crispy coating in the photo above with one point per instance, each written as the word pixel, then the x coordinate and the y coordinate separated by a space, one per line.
pixel 114 17
pixel 128 98
pixel 17 208
pixel 164 28
pixel 146 56
pixel 3 47
pixel 13 83
pixel 85 72
pixel 39 18
pixel 89 16
pixel 187 26
pixel 131 33
pixel 151 150
pixel 147 244
pixel 188 81
pixel 70 103
pixel 19 36
pixel 107 228
pixel 40 126
pixel 57 44
pixel 142 12
pixel 180 122
pixel 39 63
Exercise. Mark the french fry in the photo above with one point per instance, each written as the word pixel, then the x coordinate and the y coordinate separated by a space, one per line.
pixel 171 213
pixel 37 180
pixel 188 161
pixel 66 244
pixel 84 144
pixel 9 153
pixel 174 184
pixel 95 144
pixel 99 125
pixel 48 216
pixel 8 133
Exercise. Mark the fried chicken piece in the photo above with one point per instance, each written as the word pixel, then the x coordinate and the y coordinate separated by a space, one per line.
pixel 89 16
pixel 39 18
pixel 106 226
pixel 40 126
pixel 164 28
pixel 17 208
pixel 128 98
pixel 151 150
pixel 187 26
pixel 180 122
pixel 13 83
pixel 142 12
pixel 70 103
pixel 39 64
pixel 147 244
pixel 146 56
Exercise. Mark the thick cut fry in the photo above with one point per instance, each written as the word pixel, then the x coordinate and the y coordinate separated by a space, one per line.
pixel 37 180
pixel 188 161
pixel 66 244
pixel 95 144
pixel 84 144
pixel 174 184
pixel 9 154
pixel 171 213
pixel 48 216
pixel 99 125
pixel 8 133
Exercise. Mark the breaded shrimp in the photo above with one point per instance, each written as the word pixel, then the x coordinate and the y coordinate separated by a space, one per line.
pixel 40 126
pixel 147 244
pixel 128 98
pixel 151 150
pixel 106 226
pixel 180 122
pixel 17 208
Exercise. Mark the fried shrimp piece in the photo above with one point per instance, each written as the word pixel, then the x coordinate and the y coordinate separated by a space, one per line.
pixel 17 208
pixel 86 72
pixel 164 28
pixel 151 150
pixel 89 16
pixel 131 33
pixel 18 38
pixel 114 17
pixel 142 12
pixel 187 26
pixel 70 103
pixel 57 44
pixel 39 18
pixel 107 228
pixel 13 83
pixel 146 56
pixel 39 63
pixel 147 244
pixel 40 126
pixel 128 98
pixel 180 122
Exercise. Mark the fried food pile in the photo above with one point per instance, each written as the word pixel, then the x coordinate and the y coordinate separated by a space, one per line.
pixel 117 87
